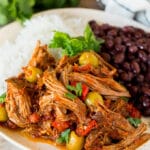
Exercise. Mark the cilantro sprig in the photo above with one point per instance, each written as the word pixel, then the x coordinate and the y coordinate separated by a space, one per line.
pixel 74 45
pixel 77 89
pixel 134 121
pixel 64 136
pixel 70 96
pixel 2 98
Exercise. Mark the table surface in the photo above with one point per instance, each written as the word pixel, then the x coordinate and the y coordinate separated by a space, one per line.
pixel 5 145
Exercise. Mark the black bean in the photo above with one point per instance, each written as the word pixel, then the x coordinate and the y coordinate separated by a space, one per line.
pixel 120 71
pixel 109 43
pixel 146 90
pixel 119 58
pixel 120 48
pixel 143 67
pixel 146 101
pixel 129 43
pixel 134 89
pixel 92 22
pixel 124 76
pixel 148 60
pixel 112 32
pixel 142 46
pixel 130 57
pixel 135 67
pixel 105 27
pixel 148 49
pixel 146 112
pixel 141 31
pixel 106 56
pixel 138 35
pixel 130 74
pixel 148 35
pixel 128 29
pixel 142 55
pixel 96 30
pixel 118 40
pixel 140 41
pixel 113 52
pixel 140 78
pixel 133 49
pixel 126 66
pixel 125 39
pixel 147 77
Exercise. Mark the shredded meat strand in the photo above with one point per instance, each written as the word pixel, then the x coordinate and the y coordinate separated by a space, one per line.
pixel 128 140
pixel 104 86
pixel 54 86
pixel 18 102
pixel 41 58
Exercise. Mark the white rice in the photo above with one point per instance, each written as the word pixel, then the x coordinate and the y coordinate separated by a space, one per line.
pixel 16 54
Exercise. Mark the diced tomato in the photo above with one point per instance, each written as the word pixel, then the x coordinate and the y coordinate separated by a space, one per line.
pixel 83 132
pixel 82 68
pixel 85 89
pixel 60 125
pixel 133 112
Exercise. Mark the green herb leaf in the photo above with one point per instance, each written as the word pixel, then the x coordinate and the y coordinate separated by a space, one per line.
pixel 71 88
pixel 74 45
pixel 134 121
pixel 15 10
pixel 77 89
pixel 70 96
pixel 2 98
pixel 23 9
pixel 64 137
pixel 126 99
pixel 92 42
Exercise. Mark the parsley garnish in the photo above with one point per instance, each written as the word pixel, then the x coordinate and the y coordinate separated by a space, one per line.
pixel 64 137
pixel 77 89
pixel 134 121
pixel 70 96
pixel 2 98
pixel 74 45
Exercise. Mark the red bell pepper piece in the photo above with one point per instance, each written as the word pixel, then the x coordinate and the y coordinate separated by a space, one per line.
pixel 85 90
pixel 83 132
pixel 60 125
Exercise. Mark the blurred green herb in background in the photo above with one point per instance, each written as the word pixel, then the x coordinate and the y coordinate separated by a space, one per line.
pixel 21 10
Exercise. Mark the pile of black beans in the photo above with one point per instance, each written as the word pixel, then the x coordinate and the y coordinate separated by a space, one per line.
pixel 128 49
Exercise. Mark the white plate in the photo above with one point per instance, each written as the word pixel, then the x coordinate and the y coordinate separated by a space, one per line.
pixel 10 32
